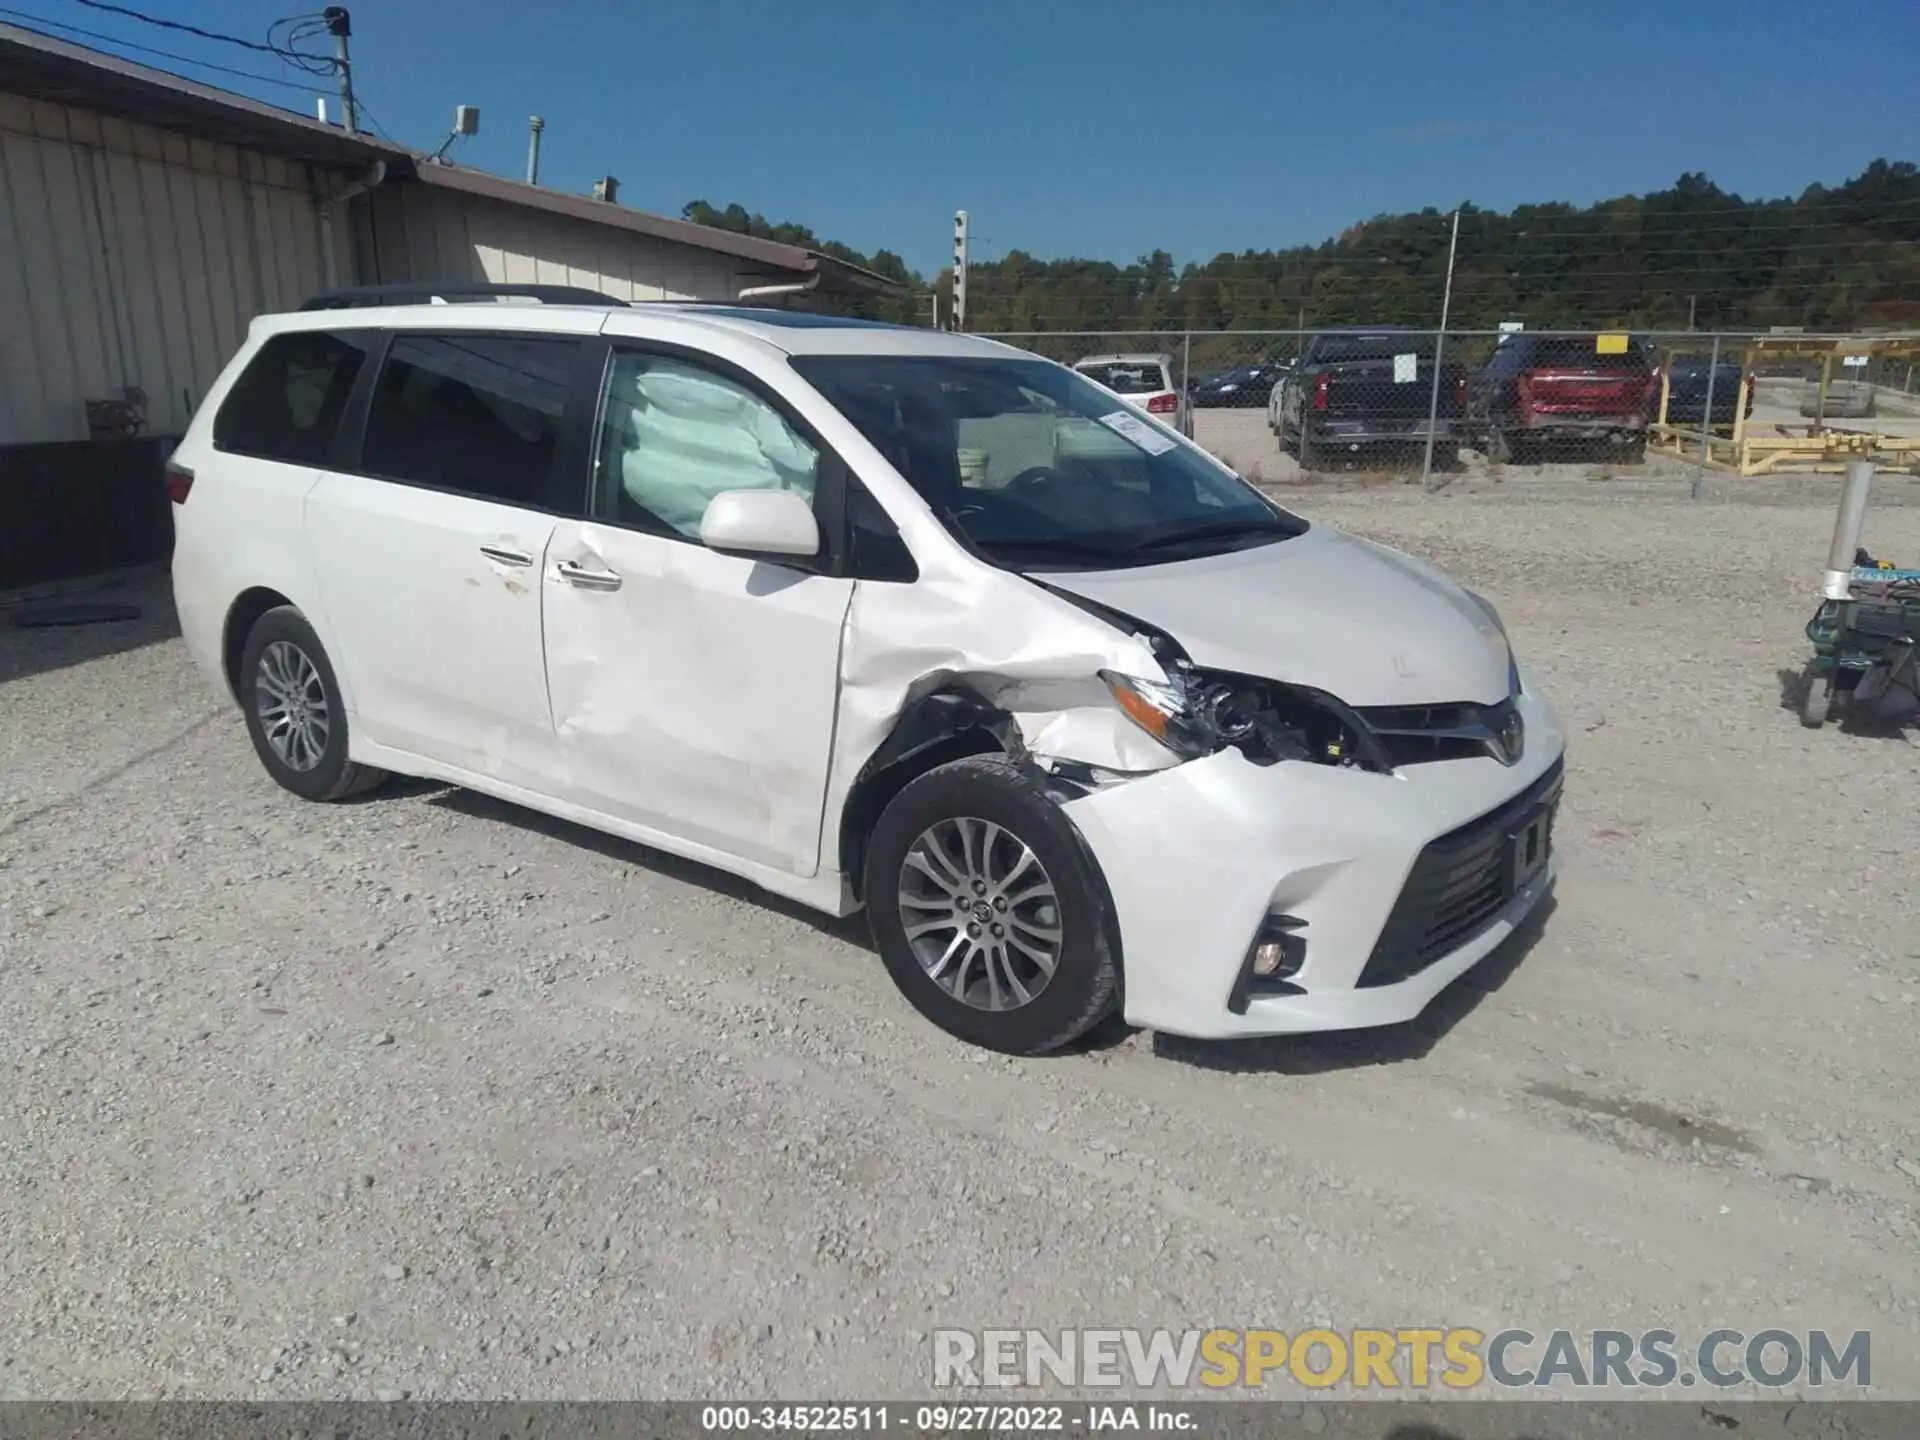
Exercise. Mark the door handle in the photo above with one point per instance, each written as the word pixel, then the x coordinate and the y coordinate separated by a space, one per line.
pixel 586 579
pixel 501 555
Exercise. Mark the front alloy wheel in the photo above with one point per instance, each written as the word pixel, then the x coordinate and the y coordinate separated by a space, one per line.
pixel 988 909
pixel 981 913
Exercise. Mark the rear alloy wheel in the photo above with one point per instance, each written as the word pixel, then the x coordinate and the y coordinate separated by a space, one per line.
pixel 988 910
pixel 293 709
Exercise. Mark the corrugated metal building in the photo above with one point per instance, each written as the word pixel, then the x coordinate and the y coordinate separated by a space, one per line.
pixel 145 219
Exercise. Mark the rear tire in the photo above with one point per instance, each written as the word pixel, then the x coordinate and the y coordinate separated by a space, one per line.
pixel 294 712
pixel 977 836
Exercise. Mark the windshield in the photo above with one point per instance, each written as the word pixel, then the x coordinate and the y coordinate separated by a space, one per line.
pixel 1033 466
pixel 1126 377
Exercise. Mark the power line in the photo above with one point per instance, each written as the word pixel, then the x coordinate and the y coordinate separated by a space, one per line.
pixel 1293 269
pixel 149 50
pixel 180 26
pixel 300 28
pixel 1599 207
pixel 372 119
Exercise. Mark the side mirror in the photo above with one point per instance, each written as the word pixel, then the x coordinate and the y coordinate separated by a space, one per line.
pixel 757 523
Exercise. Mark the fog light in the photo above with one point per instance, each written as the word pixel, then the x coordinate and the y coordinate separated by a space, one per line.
pixel 1276 955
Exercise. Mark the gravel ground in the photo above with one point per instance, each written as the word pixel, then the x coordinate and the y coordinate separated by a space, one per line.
pixel 424 1095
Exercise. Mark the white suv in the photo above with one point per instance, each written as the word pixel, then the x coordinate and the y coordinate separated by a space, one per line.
pixel 1145 382
pixel 872 616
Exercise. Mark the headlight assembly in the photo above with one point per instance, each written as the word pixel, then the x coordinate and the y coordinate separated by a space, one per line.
pixel 1199 712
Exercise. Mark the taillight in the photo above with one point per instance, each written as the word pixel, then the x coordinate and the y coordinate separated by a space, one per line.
pixel 1320 383
pixel 179 482
pixel 1460 389
pixel 1163 404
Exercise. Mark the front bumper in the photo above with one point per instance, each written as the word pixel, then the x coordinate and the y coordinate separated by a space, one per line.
pixel 1197 857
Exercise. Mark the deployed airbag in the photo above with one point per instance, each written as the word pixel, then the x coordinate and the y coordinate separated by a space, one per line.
pixel 689 436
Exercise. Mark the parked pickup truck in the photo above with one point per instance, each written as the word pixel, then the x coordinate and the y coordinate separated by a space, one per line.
pixel 1355 390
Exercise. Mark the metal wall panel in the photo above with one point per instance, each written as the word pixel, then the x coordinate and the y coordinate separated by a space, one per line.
pixel 426 234
pixel 130 256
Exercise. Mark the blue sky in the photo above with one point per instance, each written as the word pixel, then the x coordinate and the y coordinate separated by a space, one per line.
pixel 1068 127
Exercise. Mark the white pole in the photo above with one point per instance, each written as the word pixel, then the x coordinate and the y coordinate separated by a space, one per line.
pixel 960 270
pixel 1439 348
pixel 1838 581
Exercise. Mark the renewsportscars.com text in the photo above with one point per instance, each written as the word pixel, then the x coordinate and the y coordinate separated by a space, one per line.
pixel 1408 1358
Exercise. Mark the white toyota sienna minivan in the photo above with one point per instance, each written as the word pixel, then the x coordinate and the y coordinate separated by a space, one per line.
pixel 878 617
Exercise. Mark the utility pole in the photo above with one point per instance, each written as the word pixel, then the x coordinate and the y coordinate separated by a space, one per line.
pixel 340 26
pixel 534 126
pixel 1439 348
pixel 959 316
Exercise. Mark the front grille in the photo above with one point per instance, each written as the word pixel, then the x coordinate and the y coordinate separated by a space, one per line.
pixel 1419 734
pixel 1457 885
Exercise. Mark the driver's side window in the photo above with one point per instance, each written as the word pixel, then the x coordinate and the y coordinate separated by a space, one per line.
pixel 672 435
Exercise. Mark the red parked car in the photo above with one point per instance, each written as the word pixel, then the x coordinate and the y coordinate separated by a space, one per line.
pixel 1539 389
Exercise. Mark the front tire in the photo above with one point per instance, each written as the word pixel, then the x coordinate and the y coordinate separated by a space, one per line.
pixel 295 716
pixel 988 909
pixel 1816 698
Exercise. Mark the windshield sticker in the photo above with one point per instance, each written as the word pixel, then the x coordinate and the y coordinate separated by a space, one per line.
pixel 1406 369
pixel 1132 427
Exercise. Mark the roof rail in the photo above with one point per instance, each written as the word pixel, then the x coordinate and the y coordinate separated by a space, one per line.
pixel 429 294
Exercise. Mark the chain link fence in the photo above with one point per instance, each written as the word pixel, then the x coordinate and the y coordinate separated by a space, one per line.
pixel 1404 403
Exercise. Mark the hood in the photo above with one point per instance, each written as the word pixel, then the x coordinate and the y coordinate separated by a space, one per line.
pixel 1365 623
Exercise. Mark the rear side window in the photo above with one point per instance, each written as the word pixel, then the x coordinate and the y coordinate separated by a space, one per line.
pixel 288 402
pixel 476 414
pixel 1127 379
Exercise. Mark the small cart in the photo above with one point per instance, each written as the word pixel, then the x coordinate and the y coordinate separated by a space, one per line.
pixel 1863 648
